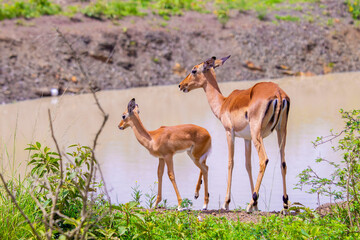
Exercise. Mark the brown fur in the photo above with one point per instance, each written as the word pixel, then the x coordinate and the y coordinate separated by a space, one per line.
pixel 164 142
pixel 251 114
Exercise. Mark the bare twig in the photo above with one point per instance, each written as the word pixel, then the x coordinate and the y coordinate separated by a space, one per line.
pixel 83 72
pixel 328 138
pixel 105 118
pixel 55 196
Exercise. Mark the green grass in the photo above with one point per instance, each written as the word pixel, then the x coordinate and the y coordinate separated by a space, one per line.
pixel 12 224
pixel 114 9
pixel 131 221
pixel 28 9
pixel 127 221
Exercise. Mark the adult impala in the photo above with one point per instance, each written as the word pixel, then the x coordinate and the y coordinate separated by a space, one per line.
pixel 251 114
pixel 165 142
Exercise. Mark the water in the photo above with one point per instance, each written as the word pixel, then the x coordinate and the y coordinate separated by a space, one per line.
pixel 315 104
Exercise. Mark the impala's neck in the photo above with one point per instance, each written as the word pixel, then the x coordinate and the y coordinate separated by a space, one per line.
pixel 213 93
pixel 141 134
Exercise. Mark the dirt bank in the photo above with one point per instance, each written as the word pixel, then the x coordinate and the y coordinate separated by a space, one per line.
pixel 151 51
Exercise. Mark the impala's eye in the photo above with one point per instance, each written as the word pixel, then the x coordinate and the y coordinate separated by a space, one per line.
pixel 123 116
pixel 193 71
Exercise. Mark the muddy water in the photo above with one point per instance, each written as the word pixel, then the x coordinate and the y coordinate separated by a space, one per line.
pixel 315 104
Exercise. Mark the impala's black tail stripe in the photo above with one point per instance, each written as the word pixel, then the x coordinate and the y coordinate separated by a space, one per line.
pixel 277 117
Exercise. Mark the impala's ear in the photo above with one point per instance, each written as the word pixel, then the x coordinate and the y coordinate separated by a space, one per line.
pixel 221 61
pixel 131 105
pixel 209 63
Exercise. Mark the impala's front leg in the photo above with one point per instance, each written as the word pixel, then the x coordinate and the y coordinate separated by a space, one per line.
pixel 170 168
pixel 160 175
pixel 230 141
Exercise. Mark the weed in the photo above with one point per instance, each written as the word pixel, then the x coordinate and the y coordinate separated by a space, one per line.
pixel 112 9
pixel 186 203
pixel 156 60
pixel 261 12
pixel 309 18
pixel 354 8
pixel 330 22
pixel 136 193
pixel 287 18
pixel 150 198
pixel 71 11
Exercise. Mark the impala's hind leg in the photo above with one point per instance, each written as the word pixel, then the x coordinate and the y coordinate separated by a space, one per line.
pixel 198 186
pixel 206 182
pixel 201 164
pixel 281 135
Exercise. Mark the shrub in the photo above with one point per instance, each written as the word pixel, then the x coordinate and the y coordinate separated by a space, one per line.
pixel 113 9
pixel 28 9
pixel 354 8
pixel 344 182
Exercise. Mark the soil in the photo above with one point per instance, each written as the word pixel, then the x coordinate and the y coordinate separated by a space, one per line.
pixel 255 217
pixel 147 51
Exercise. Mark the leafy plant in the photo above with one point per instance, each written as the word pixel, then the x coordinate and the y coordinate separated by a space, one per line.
pixel 66 193
pixel 28 9
pixel 112 9
pixel 261 11
pixel 344 182
pixel 354 8
pixel 167 8
pixel 150 198
pixel 136 193
pixel 186 203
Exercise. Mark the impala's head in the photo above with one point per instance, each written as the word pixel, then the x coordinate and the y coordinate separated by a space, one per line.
pixel 197 79
pixel 132 108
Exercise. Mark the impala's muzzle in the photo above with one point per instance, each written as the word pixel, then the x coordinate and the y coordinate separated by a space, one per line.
pixel 121 126
pixel 183 87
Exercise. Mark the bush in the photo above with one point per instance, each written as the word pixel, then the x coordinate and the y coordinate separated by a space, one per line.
pixel 28 9
pixel 344 182
pixel 354 8
pixel 62 199
pixel 113 9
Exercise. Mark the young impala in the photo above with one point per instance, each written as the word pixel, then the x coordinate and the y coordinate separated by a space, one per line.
pixel 165 142
pixel 251 114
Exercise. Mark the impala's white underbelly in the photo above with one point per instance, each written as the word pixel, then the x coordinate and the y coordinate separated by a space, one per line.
pixel 244 133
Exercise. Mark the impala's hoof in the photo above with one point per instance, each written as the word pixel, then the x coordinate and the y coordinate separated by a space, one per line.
pixel 284 212
pixel 180 209
pixel 251 208
pixel 196 195
pixel 225 206
pixel 205 207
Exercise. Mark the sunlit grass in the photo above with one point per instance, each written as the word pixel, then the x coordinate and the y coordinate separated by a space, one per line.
pixel 114 9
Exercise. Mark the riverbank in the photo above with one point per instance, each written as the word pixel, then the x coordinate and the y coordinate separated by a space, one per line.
pixel 148 50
